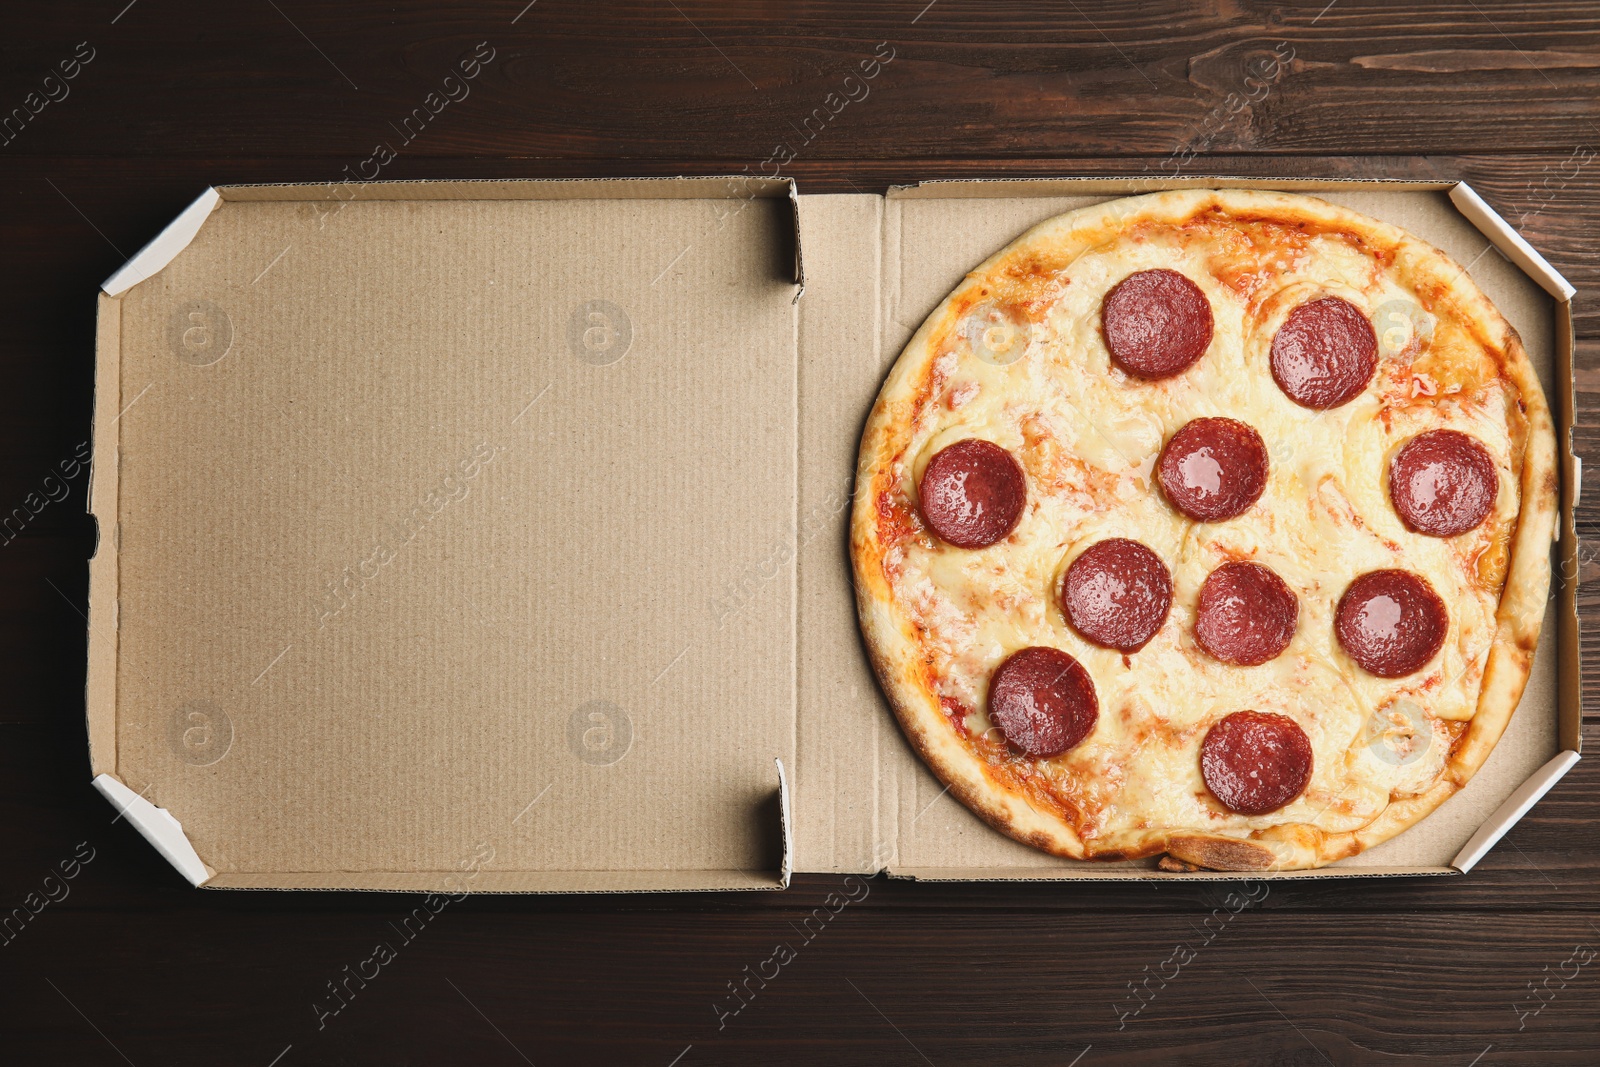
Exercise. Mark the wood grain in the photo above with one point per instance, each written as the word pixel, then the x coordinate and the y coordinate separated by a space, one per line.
pixel 134 966
pixel 662 81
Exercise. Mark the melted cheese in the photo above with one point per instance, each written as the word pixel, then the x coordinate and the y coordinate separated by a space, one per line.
pixel 1033 375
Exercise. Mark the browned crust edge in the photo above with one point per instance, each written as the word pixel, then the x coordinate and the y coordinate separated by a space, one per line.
pixel 894 651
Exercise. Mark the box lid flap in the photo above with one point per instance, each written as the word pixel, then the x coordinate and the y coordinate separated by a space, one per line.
pixel 1509 241
pixel 1515 807
pixel 167 244
pixel 157 826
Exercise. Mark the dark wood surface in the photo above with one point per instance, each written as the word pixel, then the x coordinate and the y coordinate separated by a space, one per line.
pixel 133 966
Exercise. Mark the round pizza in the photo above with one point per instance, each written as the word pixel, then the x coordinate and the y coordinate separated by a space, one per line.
pixel 1212 525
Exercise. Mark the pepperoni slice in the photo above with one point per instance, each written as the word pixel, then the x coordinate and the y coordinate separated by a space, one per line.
pixel 1324 353
pixel 1247 615
pixel 1156 323
pixel 1213 469
pixel 1255 762
pixel 1117 594
pixel 973 493
pixel 1391 622
pixel 1043 701
pixel 1443 483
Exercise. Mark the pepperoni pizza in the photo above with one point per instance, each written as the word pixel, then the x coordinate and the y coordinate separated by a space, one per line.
pixel 1163 547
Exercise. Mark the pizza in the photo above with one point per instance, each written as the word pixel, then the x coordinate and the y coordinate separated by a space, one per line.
pixel 1211 525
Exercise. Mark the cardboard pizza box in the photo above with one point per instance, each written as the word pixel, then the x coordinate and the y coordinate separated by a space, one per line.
pixel 491 536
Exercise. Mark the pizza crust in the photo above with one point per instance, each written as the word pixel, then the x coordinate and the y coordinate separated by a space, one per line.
pixel 904 667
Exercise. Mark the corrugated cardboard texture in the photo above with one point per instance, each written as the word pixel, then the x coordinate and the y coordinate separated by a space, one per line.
pixel 493 536
pixel 930 237
pixel 1102 188
pixel 100 696
pixel 847 736
pixel 735 187
pixel 1569 640
pixel 429 510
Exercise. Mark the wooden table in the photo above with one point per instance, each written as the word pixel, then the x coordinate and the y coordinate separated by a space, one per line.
pixel 170 95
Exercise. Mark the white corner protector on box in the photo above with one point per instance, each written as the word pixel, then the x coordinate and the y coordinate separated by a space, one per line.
pixel 1511 812
pixel 165 246
pixel 785 827
pixel 1509 241
pixel 158 827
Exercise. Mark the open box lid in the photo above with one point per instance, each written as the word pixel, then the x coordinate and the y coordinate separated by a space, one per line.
pixel 412 510
pixel 491 535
